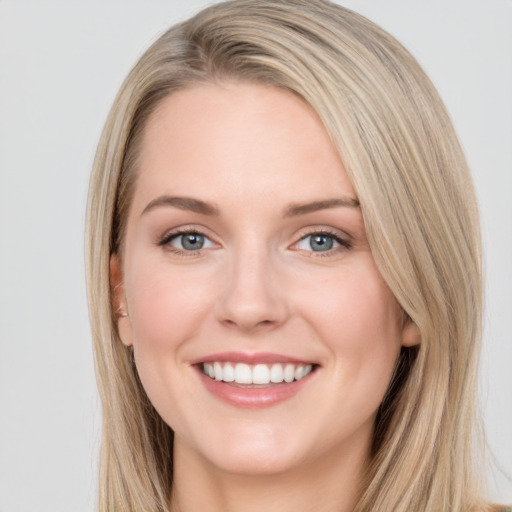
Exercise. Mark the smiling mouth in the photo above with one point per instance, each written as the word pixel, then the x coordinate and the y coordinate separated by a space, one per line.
pixel 241 374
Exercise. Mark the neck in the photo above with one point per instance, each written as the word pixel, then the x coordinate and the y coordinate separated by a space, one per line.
pixel 331 484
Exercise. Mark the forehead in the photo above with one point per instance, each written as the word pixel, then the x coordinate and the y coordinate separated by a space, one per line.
pixel 230 138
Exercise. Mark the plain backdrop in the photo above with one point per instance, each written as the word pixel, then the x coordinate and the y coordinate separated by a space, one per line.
pixel 61 63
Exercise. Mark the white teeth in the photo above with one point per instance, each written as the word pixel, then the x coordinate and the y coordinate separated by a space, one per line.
pixel 229 373
pixel 217 370
pixel 260 374
pixel 256 374
pixel 276 373
pixel 289 373
pixel 243 374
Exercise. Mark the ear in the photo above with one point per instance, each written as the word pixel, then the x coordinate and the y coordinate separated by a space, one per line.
pixel 118 298
pixel 411 334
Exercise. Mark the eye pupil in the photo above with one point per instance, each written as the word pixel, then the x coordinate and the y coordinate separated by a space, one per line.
pixel 321 243
pixel 192 241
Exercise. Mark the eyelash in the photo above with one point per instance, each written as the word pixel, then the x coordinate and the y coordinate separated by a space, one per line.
pixel 166 240
pixel 344 244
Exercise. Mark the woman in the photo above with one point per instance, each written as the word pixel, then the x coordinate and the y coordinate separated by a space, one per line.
pixel 284 269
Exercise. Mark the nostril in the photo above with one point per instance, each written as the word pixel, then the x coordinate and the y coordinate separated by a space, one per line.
pixel 247 325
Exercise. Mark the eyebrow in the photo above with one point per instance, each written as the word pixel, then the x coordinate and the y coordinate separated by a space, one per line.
pixel 204 208
pixel 182 203
pixel 314 206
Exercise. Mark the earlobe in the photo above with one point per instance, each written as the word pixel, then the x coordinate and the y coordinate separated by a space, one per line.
pixel 118 300
pixel 411 334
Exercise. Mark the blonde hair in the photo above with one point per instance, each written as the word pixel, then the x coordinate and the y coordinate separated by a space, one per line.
pixel 406 165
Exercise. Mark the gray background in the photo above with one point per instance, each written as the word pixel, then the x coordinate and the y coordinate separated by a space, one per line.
pixel 61 64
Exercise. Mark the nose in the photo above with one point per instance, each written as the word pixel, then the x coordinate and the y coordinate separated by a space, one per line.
pixel 254 297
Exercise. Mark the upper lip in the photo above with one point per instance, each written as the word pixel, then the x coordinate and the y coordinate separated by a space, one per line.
pixel 250 358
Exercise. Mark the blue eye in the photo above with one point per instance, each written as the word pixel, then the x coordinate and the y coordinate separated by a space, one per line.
pixel 321 242
pixel 187 242
pixel 318 242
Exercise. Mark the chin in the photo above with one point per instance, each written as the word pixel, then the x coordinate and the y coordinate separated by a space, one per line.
pixel 245 452
pixel 254 462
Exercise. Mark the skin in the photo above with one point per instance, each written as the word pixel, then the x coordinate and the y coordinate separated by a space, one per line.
pixel 253 152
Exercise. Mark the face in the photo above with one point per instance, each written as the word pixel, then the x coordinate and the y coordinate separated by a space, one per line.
pixel 263 332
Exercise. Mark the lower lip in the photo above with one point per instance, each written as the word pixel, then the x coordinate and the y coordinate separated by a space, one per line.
pixel 254 398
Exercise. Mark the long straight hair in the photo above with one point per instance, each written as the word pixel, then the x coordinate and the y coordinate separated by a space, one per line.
pixel 402 155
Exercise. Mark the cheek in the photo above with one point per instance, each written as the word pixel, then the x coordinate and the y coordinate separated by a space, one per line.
pixel 358 319
pixel 167 308
pixel 165 305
